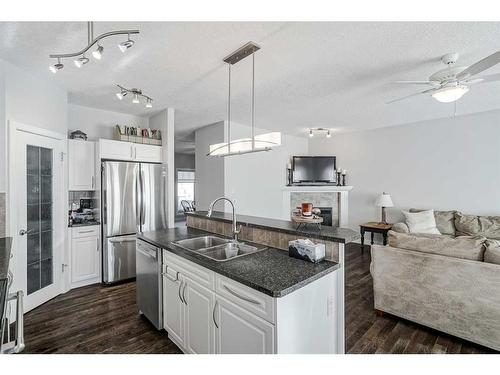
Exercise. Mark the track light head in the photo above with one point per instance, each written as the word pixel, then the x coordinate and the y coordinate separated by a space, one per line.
pixel 149 103
pixel 56 67
pixel 328 134
pixel 124 46
pixel 120 95
pixel 81 61
pixel 98 52
pixel 136 98
pixel 311 134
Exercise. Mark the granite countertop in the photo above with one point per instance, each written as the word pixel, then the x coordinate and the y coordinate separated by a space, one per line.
pixel 270 271
pixel 5 251
pixel 334 234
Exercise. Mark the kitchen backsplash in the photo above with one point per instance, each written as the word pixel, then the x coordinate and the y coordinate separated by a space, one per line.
pixel 2 214
pixel 75 196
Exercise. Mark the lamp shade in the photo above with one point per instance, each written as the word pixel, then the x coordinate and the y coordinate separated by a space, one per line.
pixel 384 200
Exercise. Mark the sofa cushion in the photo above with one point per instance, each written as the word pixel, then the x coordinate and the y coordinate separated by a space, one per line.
pixel 465 247
pixel 471 225
pixel 421 222
pixel 492 252
pixel 445 221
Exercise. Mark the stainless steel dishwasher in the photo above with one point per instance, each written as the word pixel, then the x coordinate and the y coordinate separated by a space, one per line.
pixel 149 285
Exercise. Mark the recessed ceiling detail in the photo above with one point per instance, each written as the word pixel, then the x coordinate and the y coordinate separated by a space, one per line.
pixel 97 53
pixel 135 93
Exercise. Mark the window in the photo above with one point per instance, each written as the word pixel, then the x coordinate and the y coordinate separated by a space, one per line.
pixel 185 187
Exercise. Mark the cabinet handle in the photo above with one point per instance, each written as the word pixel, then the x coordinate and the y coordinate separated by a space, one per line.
pixel 179 292
pixel 240 296
pixel 184 294
pixel 97 244
pixel 85 231
pixel 92 182
pixel 213 314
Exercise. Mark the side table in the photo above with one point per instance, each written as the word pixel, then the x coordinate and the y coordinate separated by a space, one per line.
pixel 374 227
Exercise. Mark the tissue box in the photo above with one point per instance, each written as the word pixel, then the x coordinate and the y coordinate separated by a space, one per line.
pixel 306 250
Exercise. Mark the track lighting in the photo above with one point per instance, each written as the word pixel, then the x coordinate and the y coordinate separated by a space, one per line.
pixel 136 94
pixel 124 46
pixel 54 68
pixel 81 61
pixel 98 52
pixel 320 130
pixel 120 95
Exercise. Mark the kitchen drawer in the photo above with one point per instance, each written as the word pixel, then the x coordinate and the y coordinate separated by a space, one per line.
pixel 251 300
pixel 87 231
pixel 199 274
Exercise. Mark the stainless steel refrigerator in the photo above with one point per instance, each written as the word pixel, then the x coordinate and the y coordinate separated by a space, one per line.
pixel 133 200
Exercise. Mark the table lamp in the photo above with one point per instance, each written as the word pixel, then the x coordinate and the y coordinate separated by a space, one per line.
pixel 384 200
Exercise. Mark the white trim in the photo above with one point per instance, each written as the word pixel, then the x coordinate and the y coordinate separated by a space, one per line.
pixel 13 125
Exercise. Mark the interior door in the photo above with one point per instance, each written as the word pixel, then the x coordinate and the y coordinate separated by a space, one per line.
pixel 38 192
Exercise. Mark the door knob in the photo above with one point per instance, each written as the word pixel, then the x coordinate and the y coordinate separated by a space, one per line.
pixel 22 232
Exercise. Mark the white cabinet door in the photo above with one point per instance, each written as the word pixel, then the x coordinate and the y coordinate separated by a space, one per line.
pixel 173 306
pixel 200 336
pixel 238 331
pixel 85 263
pixel 116 150
pixel 147 153
pixel 81 165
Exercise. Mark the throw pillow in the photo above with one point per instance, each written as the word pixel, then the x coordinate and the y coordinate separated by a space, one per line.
pixel 445 221
pixel 421 222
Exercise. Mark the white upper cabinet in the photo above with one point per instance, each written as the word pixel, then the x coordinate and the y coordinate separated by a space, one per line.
pixel 81 165
pixel 119 150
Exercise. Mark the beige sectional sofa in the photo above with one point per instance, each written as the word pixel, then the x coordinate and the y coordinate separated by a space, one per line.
pixel 449 282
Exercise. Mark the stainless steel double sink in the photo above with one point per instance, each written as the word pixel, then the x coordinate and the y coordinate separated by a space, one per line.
pixel 218 248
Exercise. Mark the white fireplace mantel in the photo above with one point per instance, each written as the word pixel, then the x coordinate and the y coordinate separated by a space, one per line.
pixel 343 199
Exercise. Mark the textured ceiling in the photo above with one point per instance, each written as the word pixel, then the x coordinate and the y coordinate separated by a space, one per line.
pixel 325 74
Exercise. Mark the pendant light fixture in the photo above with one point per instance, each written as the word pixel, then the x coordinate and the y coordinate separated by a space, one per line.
pixel 327 132
pixel 97 53
pixel 136 93
pixel 257 143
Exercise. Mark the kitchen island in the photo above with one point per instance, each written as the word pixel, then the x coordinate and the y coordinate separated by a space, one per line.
pixel 264 302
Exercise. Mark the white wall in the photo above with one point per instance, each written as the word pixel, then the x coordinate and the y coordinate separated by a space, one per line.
pixel 255 181
pixel 209 170
pixel 28 99
pixel 98 123
pixel 441 164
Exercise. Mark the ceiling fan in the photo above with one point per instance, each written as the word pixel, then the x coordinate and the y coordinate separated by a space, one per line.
pixel 451 83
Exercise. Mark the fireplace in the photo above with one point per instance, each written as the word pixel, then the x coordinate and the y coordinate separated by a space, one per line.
pixel 326 214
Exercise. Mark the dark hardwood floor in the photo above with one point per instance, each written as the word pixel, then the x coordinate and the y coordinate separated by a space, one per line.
pixel 98 319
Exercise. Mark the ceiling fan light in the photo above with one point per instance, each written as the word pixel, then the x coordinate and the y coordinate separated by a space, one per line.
pixel 450 94
pixel 98 53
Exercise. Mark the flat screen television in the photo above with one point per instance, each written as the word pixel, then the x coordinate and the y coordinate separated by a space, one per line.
pixel 313 169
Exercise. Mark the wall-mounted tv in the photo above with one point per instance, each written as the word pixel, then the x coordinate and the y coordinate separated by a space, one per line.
pixel 313 169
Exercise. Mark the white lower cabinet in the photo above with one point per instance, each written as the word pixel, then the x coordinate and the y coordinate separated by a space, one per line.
pixel 85 256
pixel 173 305
pixel 205 313
pixel 241 332
pixel 199 302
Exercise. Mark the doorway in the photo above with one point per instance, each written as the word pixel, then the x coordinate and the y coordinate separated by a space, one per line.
pixel 36 212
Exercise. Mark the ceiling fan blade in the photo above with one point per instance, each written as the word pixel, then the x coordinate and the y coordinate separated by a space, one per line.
pixel 488 78
pixel 419 82
pixel 412 95
pixel 480 66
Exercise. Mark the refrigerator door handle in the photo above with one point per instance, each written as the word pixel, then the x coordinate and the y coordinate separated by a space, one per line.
pixel 143 207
